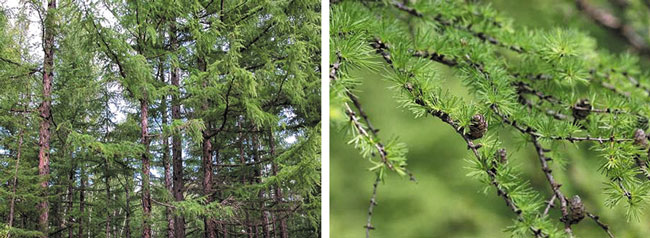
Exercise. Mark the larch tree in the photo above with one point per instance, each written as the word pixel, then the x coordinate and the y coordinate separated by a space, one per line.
pixel 550 87
pixel 165 119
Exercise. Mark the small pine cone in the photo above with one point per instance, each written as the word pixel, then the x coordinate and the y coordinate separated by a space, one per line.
pixel 477 127
pixel 576 210
pixel 642 122
pixel 502 154
pixel 409 87
pixel 640 138
pixel 581 109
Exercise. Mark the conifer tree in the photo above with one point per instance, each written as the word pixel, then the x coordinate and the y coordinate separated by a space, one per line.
pixel 234 86
pixel 552 87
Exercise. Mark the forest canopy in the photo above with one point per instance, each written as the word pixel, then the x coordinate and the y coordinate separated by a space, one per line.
pixel 160 118
pixel 541 105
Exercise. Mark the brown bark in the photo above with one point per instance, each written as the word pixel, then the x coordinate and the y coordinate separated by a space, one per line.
pixel 177 150
pixel 266 233
pixel 146 193
pixel 45 114
pixel 278 190
pixel 168 181
pixel 210 224
pixel 242 160
pixel 15 181
pixel 165 159
pixel 206 161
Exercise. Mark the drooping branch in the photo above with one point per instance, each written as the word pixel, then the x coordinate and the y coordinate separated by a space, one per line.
pixel 382 49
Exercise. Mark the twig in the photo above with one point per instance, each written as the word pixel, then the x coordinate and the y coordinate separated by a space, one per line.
pixel 550 204
pixel 545 168
pixel 380 148
pixel 601 224
pixel 373 203
pixel 382 49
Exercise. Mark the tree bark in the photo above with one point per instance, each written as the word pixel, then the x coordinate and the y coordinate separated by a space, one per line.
pixel 206 161
pixel 127 220
pixel 177 151
pixel 278 190
pixel 15 182
pixel 266 233
pixel 146 193
pixel 168 181
pixel 45 114
pixel 165 159
pixel 210 224
pixel 242 160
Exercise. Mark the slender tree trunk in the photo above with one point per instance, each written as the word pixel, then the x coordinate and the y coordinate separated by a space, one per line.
pixel 206 164
pixel 82 200
pixel 15 182
pixel 266 233
pixel 90 212
pixel 168 178
pixel 278 190
pixel 45 113
pixel 107 180
pixel 146 193
pixel 115 214
pixel 177 151
pixel 165 159
pixel 70 196
pixel 242 160
pixel 210 224
pixel 127 220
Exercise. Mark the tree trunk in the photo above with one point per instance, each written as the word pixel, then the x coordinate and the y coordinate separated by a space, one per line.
pixel 278 190
pixel 15 182
pixel 206 161
pixel 165 158
pixel 70 196
pixel 210 224
pixel 82 190
pixel 45 114
pixel 266 233
pixel 146 193
pixel 177 151
pixel 242 160
pixel 107 180
pixel 127 220
pixel 168 180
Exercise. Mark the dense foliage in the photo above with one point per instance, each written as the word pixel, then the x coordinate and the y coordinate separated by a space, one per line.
pixel 547 88
pixel 160 119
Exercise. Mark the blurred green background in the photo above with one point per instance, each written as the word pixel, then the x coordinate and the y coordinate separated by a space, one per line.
pixel 445 202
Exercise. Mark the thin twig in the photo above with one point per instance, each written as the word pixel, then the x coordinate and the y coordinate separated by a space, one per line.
pixel 373 203
pixel 601 224
pixel 550 204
